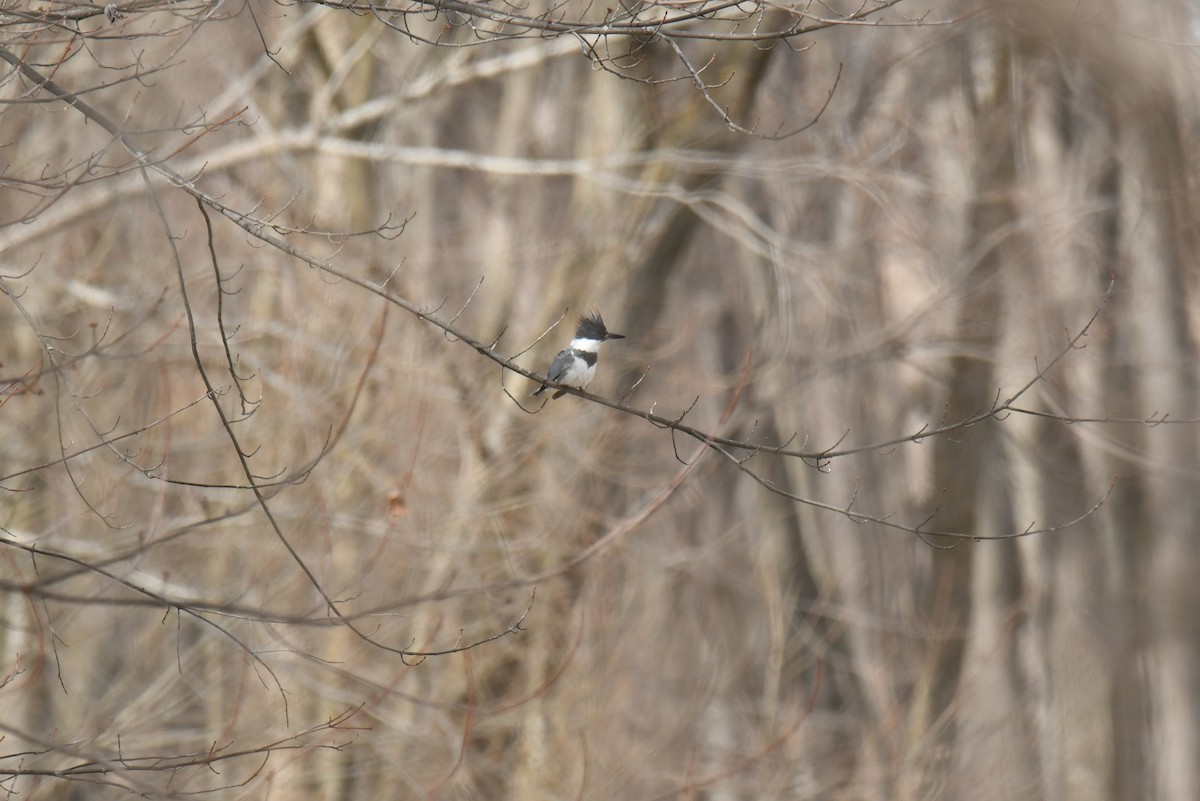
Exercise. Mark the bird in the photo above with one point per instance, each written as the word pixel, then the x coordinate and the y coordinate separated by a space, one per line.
pixel 575 366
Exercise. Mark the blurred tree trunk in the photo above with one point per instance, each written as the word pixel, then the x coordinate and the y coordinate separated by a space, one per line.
pixel 974 699
pixel 1158 234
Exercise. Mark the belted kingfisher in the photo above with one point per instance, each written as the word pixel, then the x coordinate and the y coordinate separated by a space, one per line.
pixel 576 365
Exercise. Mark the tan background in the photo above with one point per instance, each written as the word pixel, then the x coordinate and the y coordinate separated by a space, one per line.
pixel 955 216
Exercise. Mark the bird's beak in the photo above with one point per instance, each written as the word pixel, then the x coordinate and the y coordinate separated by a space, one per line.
pixel 611 335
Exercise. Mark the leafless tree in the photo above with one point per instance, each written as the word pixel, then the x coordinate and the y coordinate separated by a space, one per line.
pixel 886 494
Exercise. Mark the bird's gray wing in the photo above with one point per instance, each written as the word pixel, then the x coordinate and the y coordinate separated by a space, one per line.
pixel 558 367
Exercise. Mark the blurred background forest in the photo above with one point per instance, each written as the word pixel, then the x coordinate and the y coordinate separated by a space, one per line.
pixel 267 268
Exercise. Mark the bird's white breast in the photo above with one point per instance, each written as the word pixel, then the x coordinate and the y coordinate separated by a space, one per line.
pixel 579 374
